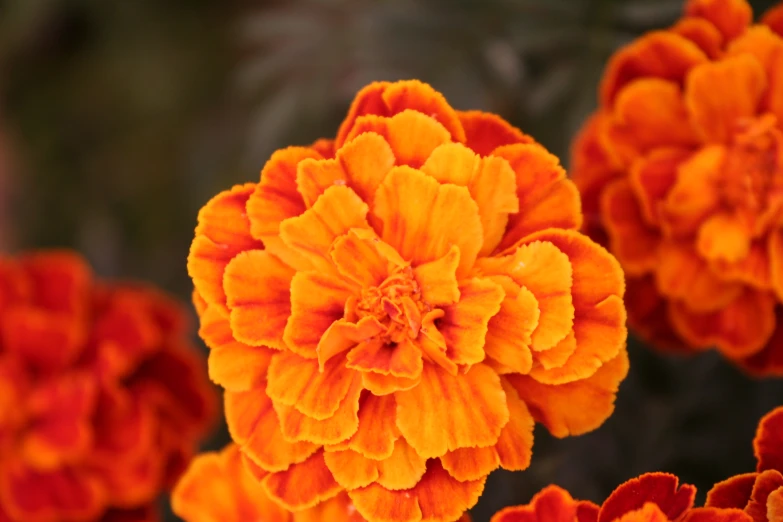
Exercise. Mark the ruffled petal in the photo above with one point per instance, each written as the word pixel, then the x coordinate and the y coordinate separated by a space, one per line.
pixel 422 219
pixel 403 468
pixel 702 33
pixel 515 445
pixel 366 160
pixel 733 492
pixel 651 179
pixel 775 248
pixel 257 286
pixel 470 463
pixel 351 469
pixel 446 412
pixel 510 331
pixel 661 489
pixel 302 485
pixel 551 504
pixel 766 483
pixel 343 335
pixel 576 407
pixel 754 270
pixel 402 360
pixel 724 237
pixel 718 94
pixel 30 332
pixel 485 132
pixel 377 427
pixel 731 17
pixel 768 444
pixel 438 279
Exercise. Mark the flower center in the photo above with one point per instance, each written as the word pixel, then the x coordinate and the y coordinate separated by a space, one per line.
pixel 396 303
pixel 752 184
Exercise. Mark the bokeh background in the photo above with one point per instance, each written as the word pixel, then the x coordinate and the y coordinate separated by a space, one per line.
pixel 119 119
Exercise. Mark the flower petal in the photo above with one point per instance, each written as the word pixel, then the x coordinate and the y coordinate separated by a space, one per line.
pixel 223 231
pixel 775 246
pixel 351 469
pixel 551 504
pixel 731 17
pixel 253 425
pixel 733 492
pixel 546 197
pixel 438 279
pixel 403 468
pixel 31 332
pixel 298 382
pixel 475 414
pixel 377 428
pixel 358 258
pixel 718 94
pixel 343 335
pixel 515 445
pixel 661 489
pixel 577 407
pixel 652 177
pixel 401 360
pixel 510 331
pixel 724 237
pixel 766 483
pixel 768 444
pixel 470 463
pixel 257 286
pixel 485 132
pixel 379 384
pixel 366 160
pixel 302 485
pixel 702 33
pixel 422 219
pixel 317 301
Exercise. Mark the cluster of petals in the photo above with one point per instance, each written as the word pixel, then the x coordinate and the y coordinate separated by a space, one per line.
pixel 220 487
pixel 681 172
pixel 390 311
pixel 759 494
pixel 652 497
pixel 103 396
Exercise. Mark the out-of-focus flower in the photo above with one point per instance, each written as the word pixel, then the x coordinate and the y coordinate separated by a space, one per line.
pixel 681 173
pixel 652 497
pixel 219 487
pixel 758 494
pixel 103 398
pixel 391 310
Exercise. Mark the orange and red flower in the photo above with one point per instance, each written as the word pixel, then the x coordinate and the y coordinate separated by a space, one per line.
pixel 681 173
pixel 103 399
pixel 758 494
pixel 390 311
pixel 652 497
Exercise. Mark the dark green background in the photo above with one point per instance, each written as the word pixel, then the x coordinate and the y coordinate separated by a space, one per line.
pixel 120 118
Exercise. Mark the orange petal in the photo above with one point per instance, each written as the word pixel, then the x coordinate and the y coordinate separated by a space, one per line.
pixel 768 362
pixel 253 425
pixel 658 54
pixel 31 333
pixel 377 429
pixel 412 135
pixel 576 407
pixel 685 276
pixel 731 17
pixel 724 237
pixel 702 33
pixel 470 463
pixel 402 469
pixel 401 360
pixel 298 382
pixel 380 384
pixel 773 18
pixel 336 429
pixel 733 492
pixel 551 504
pixel 423 219
pixel 653 112
pixel 351 469
pixel 546 272
pixel 314 176
pixel 718 94
pixel 648 513
pixel 661 489
pixel 438 279
pixel 464 324
pixel 317 301
pixel 257 286
pixel 474 416
pixel 766 483
pixel 336 508
pixel 437 496
pixel 233 365
pixel 515 445
pixel 343 335
pixel 223 231
pixel 302 485
pixel 546 197
pixel 59 281
pixel 633 242
pixel 775 248
pixel 366 160
pixel 387 99
pixel 312 233
pixel 768 444
pixel 753 270
pixel 651 179
pixel 695 194
pixel 510 331
pixel 766 46
pixel 276 197
pixel 358 258
pixel 490 181
pixel 775 505
pixel 485 132
pixel 739 329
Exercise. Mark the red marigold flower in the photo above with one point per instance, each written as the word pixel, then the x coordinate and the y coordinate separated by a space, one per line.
pixel 103 397
pixel 652 497
pixel 391 311
pixel 681 176
pixel 758 494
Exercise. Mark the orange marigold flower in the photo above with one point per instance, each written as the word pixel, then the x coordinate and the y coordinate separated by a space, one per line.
pixel 681 173
pixel 652 497
pixel 389 312
pixel 758 494
pixel 103 398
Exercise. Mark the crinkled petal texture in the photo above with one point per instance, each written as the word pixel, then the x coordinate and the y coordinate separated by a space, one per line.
pixel 391 319
pixel 681 171
pixel 104 401
pixel 653 497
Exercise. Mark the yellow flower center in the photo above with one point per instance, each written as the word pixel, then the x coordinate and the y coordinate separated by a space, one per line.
pixel 396 303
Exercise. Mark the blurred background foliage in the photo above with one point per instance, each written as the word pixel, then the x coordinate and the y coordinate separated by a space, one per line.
pixel 119 119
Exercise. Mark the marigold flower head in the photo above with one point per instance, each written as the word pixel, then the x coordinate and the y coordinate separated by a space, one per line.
pixel 681 172
pixel 390 311
pixel 652 497
pixel 103 400
pixel 758 494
